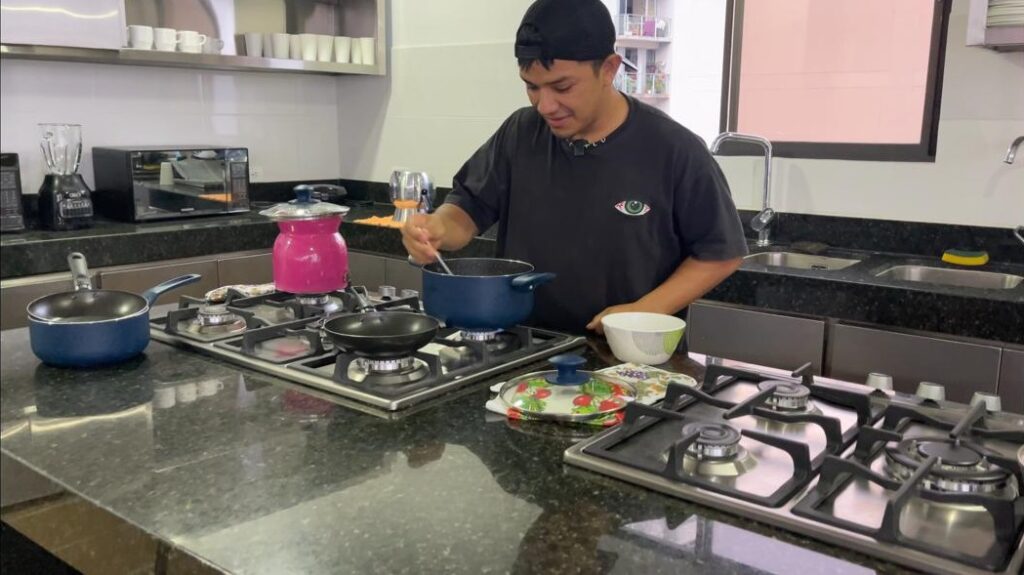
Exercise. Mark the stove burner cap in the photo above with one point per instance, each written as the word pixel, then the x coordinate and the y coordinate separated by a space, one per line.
pixel 215 318
pixel 714 440
pixel 786 395
pixel 389 365
pixel 478 335
pixel 949 454
pixel 312 299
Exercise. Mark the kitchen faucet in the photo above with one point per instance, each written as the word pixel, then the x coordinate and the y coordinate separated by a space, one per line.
pixel 762 221
pixel 1011 153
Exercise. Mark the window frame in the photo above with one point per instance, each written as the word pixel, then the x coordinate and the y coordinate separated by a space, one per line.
pixel 922 151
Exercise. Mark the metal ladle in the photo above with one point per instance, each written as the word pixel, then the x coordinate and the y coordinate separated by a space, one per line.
pixel 444 266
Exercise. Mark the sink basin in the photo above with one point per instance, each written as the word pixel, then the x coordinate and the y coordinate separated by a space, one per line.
pixel 800 261
pixel 952 277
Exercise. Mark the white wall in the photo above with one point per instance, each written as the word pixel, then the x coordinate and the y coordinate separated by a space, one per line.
pixel 288 122
pixel 453 80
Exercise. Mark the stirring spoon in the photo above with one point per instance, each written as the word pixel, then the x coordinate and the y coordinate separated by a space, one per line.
pixel 444 266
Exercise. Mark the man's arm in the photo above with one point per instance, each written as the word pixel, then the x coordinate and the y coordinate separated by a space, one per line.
pixel 448 228
pixel 692 279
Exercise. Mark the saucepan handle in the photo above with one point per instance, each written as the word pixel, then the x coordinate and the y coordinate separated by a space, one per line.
pixel 530 281
pixel 158 290
pixel 79 271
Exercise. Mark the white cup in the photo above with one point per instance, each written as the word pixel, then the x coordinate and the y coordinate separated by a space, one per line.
pixel 324 47
pixel 368 50
pixel 279 43
pixel 191 41
pixel 186 392
pixel 254 44
pixel 213 46
pixel 210 387
pixel 342 49
pixel 140 37
pixel 294 47
pixel 357 51
pixel 308 46
pixel 165 39
pixel 166 174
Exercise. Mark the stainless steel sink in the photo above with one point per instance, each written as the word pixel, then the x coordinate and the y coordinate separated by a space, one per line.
pixel 952 277
pixel 800 261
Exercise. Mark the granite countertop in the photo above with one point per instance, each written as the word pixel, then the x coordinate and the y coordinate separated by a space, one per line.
pixel 256 476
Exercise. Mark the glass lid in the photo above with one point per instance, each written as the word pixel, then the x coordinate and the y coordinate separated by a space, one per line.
pixel 304 207
pixel 567 394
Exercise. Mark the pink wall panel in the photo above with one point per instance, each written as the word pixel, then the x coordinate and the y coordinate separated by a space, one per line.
pixel 849 71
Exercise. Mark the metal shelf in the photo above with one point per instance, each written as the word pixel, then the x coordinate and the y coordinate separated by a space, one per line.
pixel 185 60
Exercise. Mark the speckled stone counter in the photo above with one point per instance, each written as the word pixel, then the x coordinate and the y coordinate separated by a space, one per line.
pixel 253 476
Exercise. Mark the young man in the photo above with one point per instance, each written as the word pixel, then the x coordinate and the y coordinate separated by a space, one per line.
pixel 626 206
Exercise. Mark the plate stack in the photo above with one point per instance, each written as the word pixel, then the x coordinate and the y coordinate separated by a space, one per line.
pixel 1005 13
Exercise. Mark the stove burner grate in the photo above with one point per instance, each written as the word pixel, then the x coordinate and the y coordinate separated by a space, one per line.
pixel 958 467
pixel 785 395
pixel 714 440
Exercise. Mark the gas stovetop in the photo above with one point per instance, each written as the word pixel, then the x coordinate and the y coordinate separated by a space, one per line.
pixel 280 334
pixel 932 485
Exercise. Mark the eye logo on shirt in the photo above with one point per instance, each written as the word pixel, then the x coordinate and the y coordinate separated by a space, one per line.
pixel 632 207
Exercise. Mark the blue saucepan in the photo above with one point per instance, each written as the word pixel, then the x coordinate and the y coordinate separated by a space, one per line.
pixel 481 293
pixel 88 327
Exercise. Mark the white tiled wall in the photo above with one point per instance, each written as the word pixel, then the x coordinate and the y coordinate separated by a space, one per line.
pixel 288 122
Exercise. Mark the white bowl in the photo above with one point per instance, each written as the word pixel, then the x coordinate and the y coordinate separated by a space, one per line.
pixel 640 337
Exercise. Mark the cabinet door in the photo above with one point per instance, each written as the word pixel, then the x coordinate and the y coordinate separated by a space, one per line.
pixel 138 280
pixel 16 294
pixel 962 367
pixel 403 275
pixel 252 269
pixel 93 24
pixel 366 270
pixel 773 340
pixel 1011 380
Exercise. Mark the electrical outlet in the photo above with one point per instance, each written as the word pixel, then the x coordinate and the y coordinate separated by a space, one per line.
pixel 255 172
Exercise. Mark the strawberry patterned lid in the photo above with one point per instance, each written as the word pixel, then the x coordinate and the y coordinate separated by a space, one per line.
pixel 566 393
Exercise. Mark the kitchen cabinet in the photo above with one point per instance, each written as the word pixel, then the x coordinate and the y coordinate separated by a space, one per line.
pixel 97 24
pixel 247 269
pixel 402 275
pixel 764 338
pixel 366 270
pixel 139 279
pixel 962 367
pixel 1011 379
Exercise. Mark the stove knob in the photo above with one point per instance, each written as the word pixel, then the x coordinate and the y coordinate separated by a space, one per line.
pixel 880 381
pixel 991 401
pixel 931 391
pixel 410 293
pixel 386 291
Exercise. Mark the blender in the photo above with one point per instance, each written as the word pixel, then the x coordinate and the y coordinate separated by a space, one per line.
pixel 411 192
pixel 65 201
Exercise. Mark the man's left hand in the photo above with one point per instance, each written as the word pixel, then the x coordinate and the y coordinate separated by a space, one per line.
pixel 595 324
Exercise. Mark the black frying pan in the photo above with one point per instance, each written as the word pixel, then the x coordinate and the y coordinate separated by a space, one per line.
pixel 382 334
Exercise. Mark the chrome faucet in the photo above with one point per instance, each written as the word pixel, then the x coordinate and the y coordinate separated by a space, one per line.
pixel 1011 152
pixel 761 223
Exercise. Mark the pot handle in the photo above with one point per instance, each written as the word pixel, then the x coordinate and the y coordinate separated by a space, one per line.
pixel 530 281
pixel 79 271
pixel 568 365
pixel 158 290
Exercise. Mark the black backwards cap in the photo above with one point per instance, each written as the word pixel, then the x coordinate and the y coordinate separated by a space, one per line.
pixel 578 30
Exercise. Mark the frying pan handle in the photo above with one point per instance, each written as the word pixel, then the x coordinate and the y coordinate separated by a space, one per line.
pixel 530 281
pixel 160 289
pixel 79 271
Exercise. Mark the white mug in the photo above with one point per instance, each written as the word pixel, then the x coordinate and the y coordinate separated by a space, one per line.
pixel 368 52
pixel 140 37
pixel 279 43
pixel 342 49
pixel 213 46
pixel 294 47
pixel 192 39
pixel 357 51
pixel 308 46
pixel 324 46
pixel 165 39
pixel 254 44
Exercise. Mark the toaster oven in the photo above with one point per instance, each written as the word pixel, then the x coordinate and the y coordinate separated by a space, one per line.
pixel 146 183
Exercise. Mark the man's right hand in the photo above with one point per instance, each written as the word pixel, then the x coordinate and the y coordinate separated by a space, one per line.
pixel 422 235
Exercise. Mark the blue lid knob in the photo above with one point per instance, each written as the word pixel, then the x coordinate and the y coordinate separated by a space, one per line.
pixel 303 194
pixel 568 365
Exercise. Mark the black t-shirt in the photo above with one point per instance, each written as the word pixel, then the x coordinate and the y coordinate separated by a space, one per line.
pixel 613 222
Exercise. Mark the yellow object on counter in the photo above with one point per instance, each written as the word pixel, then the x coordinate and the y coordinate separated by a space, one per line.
pixel 386 221
pixel 965 258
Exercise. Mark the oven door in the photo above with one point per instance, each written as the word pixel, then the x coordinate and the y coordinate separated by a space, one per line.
pixel 186 183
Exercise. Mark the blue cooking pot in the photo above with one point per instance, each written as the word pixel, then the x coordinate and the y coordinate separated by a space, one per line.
pixel 481 293
pixel 88 327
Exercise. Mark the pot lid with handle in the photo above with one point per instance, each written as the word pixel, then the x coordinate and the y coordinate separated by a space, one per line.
pixel 567 393
pixel 305 206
